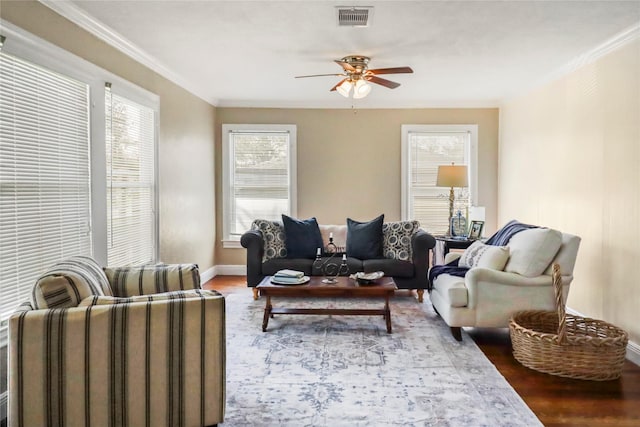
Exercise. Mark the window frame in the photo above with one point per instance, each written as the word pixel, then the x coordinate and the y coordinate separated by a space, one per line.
pixel 30 48
pixel 130 95
pixel 228 129
pixel 43 53
pixel 472 129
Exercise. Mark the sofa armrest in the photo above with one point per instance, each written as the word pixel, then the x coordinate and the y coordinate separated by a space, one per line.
pixel 421 243
pixel 152 279
pixel 451 256
pixel 253 241
pixel 139 356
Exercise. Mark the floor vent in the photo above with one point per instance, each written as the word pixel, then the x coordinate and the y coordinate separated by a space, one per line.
pixel 359 16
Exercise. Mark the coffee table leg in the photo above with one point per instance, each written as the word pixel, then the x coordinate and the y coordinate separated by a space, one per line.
pixel 387 313
pixel 267 313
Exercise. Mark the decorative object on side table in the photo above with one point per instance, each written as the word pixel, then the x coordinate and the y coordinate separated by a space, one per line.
pixel 458 226
pixel 331 270
pixel 452 176
pixel 444 244
pixel 475 230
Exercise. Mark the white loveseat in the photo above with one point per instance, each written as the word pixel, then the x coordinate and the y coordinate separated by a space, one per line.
pixel 488 297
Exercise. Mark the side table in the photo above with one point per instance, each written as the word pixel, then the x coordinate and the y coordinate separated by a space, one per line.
pixel 444 244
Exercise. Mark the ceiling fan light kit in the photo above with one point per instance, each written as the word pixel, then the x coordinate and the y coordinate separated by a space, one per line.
pixel 361 89
pixel 357 76
pixel 344 88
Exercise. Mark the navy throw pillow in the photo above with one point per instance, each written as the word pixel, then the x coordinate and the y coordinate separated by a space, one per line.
pixel 364 239
pixel 302 237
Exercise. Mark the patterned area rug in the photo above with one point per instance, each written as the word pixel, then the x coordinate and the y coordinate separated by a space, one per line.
pixel 347 371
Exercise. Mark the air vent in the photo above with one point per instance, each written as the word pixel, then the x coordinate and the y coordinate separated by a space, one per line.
pixel 351 16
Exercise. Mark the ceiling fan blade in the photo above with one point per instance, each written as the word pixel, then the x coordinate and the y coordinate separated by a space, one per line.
pixel 395 70
pixel 383 82
pixel 336 86
pixel 345 65
pixel 318 75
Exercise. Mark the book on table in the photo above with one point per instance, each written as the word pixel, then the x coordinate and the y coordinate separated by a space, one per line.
pixel 289 277
pixel 287 273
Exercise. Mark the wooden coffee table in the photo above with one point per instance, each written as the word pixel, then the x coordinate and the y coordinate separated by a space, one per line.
pixel 343 288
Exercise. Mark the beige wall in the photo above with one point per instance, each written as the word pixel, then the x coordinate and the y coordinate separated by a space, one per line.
pixel 186 139
pixel 349 160
pixel 570 159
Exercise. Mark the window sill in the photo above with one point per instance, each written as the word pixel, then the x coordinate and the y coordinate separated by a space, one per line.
pixel 231 244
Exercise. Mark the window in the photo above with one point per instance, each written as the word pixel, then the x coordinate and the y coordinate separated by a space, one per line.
pixel 53 191
pixel 424 148
pixel 53 162
pixel 45 198
pixel 130 155
pixel 259 176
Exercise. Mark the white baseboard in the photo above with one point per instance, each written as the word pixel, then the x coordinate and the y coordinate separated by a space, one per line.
pixel 633 353
pixel 222 270
pixel 633 349
pixel 230 270
pixel 208 274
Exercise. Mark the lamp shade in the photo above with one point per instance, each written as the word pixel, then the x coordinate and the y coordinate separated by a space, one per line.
pixel 452 176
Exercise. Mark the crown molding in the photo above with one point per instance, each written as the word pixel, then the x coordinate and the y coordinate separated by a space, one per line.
pixel 73 13
pixel 361 104
pixel 614 43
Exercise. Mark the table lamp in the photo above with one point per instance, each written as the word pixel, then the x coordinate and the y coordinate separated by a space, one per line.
pixel 452 176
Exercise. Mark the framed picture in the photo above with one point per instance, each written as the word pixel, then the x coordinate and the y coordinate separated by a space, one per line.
pixel 475 230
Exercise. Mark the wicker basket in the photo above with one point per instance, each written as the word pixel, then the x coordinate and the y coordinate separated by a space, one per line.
pixel 565 345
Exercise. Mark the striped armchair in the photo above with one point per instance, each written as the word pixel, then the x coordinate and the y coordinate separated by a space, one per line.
pixel 140 346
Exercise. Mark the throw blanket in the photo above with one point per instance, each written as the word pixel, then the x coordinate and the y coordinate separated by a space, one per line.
pixel 500 238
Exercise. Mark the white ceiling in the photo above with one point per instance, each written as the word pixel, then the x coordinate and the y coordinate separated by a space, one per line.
pixel 463 53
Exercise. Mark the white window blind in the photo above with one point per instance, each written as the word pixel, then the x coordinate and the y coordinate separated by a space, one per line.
pixel 45 198
pixel 259 177
pixel 426 151
pixel 130 153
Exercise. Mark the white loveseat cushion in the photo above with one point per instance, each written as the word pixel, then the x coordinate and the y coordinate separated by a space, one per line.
pixel 452 289
pixel 532 251
pixel 486 256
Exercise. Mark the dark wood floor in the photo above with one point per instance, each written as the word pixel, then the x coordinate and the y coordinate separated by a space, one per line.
pixel 556 401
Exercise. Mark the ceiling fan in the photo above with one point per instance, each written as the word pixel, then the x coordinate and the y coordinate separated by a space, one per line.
pixel 357 76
